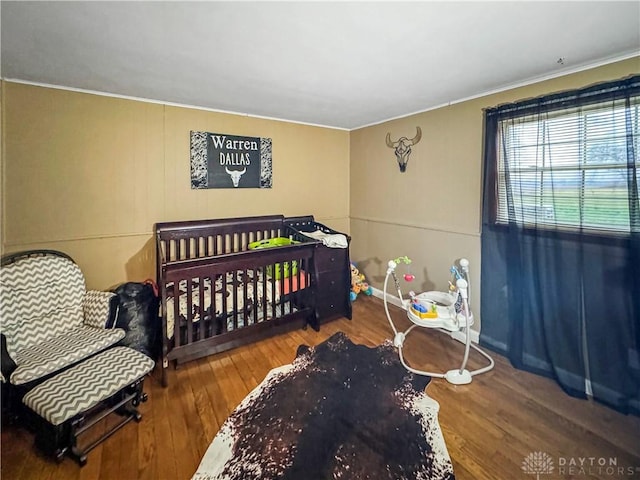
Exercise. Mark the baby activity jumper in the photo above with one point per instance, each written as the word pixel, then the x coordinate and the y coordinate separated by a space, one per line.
pixel 445 311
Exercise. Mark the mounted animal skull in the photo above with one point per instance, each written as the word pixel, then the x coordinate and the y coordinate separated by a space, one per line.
pixel 403 148
pixel 235 175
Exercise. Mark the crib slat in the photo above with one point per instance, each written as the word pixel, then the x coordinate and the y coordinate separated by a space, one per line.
pixel 176 313
pixel 255 305
pixel 292 275
pixel 215 307
pixel 203 309
pixel 245 299
pixel 224 302
pixel 189 315
pixel 234 284
pixel 272 279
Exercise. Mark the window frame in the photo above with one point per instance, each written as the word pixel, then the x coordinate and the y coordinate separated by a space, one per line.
pixel 578 103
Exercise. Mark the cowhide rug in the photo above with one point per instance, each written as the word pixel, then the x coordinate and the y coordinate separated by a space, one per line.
pixel 339 411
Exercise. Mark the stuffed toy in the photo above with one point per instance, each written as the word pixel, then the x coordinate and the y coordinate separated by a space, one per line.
pixel 358 285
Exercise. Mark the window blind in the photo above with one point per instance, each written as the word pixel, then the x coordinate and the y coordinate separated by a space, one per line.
pixel 569 168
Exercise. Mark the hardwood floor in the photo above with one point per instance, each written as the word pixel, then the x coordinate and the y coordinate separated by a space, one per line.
pixel 490 426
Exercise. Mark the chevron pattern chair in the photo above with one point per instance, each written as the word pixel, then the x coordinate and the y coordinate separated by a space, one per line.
pixel 49 320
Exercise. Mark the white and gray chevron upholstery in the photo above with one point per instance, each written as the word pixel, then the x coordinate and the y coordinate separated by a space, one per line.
pixel 61 351
pixel 82 387
pixel 95 306
pixel 43 300
pixel 40 297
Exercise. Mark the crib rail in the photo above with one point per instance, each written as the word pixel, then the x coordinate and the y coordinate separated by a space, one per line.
pixel 207 238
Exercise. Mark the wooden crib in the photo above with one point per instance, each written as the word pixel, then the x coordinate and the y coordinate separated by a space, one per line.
pixel 217 293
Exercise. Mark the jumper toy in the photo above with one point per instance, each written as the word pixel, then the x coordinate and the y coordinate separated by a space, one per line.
pixel 358 284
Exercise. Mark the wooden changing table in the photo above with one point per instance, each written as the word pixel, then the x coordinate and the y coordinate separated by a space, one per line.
pixel 332 271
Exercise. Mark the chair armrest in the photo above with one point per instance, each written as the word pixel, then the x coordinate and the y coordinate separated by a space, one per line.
pixel 99 308
pixel 7 365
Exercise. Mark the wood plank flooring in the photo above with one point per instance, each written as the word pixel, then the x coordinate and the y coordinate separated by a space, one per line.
pixel 490 426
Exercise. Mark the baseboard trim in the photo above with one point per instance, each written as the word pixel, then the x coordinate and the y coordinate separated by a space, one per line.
pixel 459 336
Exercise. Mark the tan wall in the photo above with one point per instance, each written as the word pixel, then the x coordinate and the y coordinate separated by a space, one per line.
pixel 432 212
pixel 90 175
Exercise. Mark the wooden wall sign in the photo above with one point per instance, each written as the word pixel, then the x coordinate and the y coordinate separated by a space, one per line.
pixel 220 160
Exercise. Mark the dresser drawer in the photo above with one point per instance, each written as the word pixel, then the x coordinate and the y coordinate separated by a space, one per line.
pixel 330 259
pixel 333 284
pixel 331 307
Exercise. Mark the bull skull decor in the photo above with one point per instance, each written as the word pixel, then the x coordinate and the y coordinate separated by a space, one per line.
pixel 402 148
pixel 235 175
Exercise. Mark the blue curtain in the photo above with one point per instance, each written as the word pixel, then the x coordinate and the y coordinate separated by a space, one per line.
pixel 558 301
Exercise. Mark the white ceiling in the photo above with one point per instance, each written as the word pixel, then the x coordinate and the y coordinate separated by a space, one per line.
pixel 337 64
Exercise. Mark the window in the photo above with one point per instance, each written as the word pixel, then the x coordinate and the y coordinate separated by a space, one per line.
pixel 571 168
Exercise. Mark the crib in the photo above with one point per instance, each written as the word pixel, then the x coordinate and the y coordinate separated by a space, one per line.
pixel 217 293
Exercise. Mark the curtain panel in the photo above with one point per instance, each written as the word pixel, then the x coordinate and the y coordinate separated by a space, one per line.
pixel 561 239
